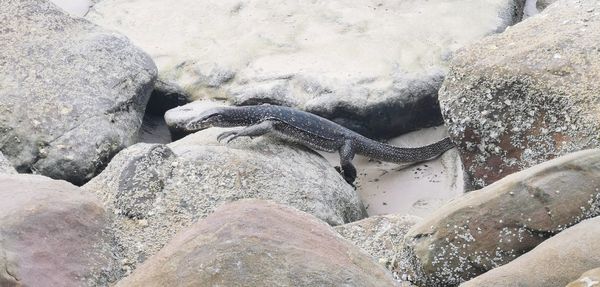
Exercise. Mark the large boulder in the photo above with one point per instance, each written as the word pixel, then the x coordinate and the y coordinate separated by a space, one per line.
pixel 527 95
pixel 155 190
pixel 53 234
pixel 555 262
pixel 492 226
pixel 259 243
pixel 372 66
pixel 71 95
pixel 382 237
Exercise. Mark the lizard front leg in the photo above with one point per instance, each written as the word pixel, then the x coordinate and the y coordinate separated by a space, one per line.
pixel 348 170
pixel 249 131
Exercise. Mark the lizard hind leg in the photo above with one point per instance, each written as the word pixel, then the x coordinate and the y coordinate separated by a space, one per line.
pixel 249 131
pixel 347 169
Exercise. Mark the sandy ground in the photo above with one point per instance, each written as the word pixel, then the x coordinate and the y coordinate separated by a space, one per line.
pixel 410 189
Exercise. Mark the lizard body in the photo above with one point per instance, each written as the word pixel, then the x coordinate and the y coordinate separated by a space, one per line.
pixel 312 131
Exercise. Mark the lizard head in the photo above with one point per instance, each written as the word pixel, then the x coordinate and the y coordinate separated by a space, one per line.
pixel 215 117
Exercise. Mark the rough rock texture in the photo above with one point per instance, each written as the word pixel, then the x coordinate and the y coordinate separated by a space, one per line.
pixel 53 234
pixel 381 236
pixel 527 95
pixel 374 66
pixel 590 278
pixel 5 165
pixel 155 190
pixel 71 94
pixel 492 226
pixel 259 243
pixel 555 262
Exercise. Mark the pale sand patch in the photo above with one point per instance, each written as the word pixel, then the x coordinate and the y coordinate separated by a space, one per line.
pixel 419 189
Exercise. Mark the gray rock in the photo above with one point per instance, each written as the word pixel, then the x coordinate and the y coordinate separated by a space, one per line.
pixel 490 227
pixel 373 67
pixel 53 234
pixel 382 236
pixel 156 190
pixel 259 243
pixel 555 262
pixel 5 165
pixel 72 94
pixel 527 95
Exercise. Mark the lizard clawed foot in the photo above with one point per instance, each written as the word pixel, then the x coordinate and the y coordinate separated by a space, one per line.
pixel 349 176
pixel 228 134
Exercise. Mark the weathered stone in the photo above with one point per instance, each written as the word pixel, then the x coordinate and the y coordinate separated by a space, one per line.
pixel 53 234
pixel 156 190
pixel 381 236
pixel 374 67
pixel 555 262
pixel 259 243
pixel 492 226
pixel 71 93
pixel 527 95
pixel 590 278
pixel 5 165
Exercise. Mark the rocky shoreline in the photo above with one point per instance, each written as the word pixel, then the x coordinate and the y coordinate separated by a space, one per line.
pixel 102 186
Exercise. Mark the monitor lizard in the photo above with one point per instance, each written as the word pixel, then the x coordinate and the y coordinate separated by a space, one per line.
pixel 312 131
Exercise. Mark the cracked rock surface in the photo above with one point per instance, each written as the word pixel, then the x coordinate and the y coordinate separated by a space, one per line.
pixel 72 94
pixel 490 227
pixel 155 190
pixel 373 66
pixel 527 95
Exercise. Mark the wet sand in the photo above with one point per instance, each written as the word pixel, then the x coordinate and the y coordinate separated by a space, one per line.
pixel 414 189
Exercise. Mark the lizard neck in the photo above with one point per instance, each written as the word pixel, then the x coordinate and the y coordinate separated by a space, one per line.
pixel 389 153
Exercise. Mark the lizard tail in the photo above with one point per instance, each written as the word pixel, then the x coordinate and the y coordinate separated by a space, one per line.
pixel 390 153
